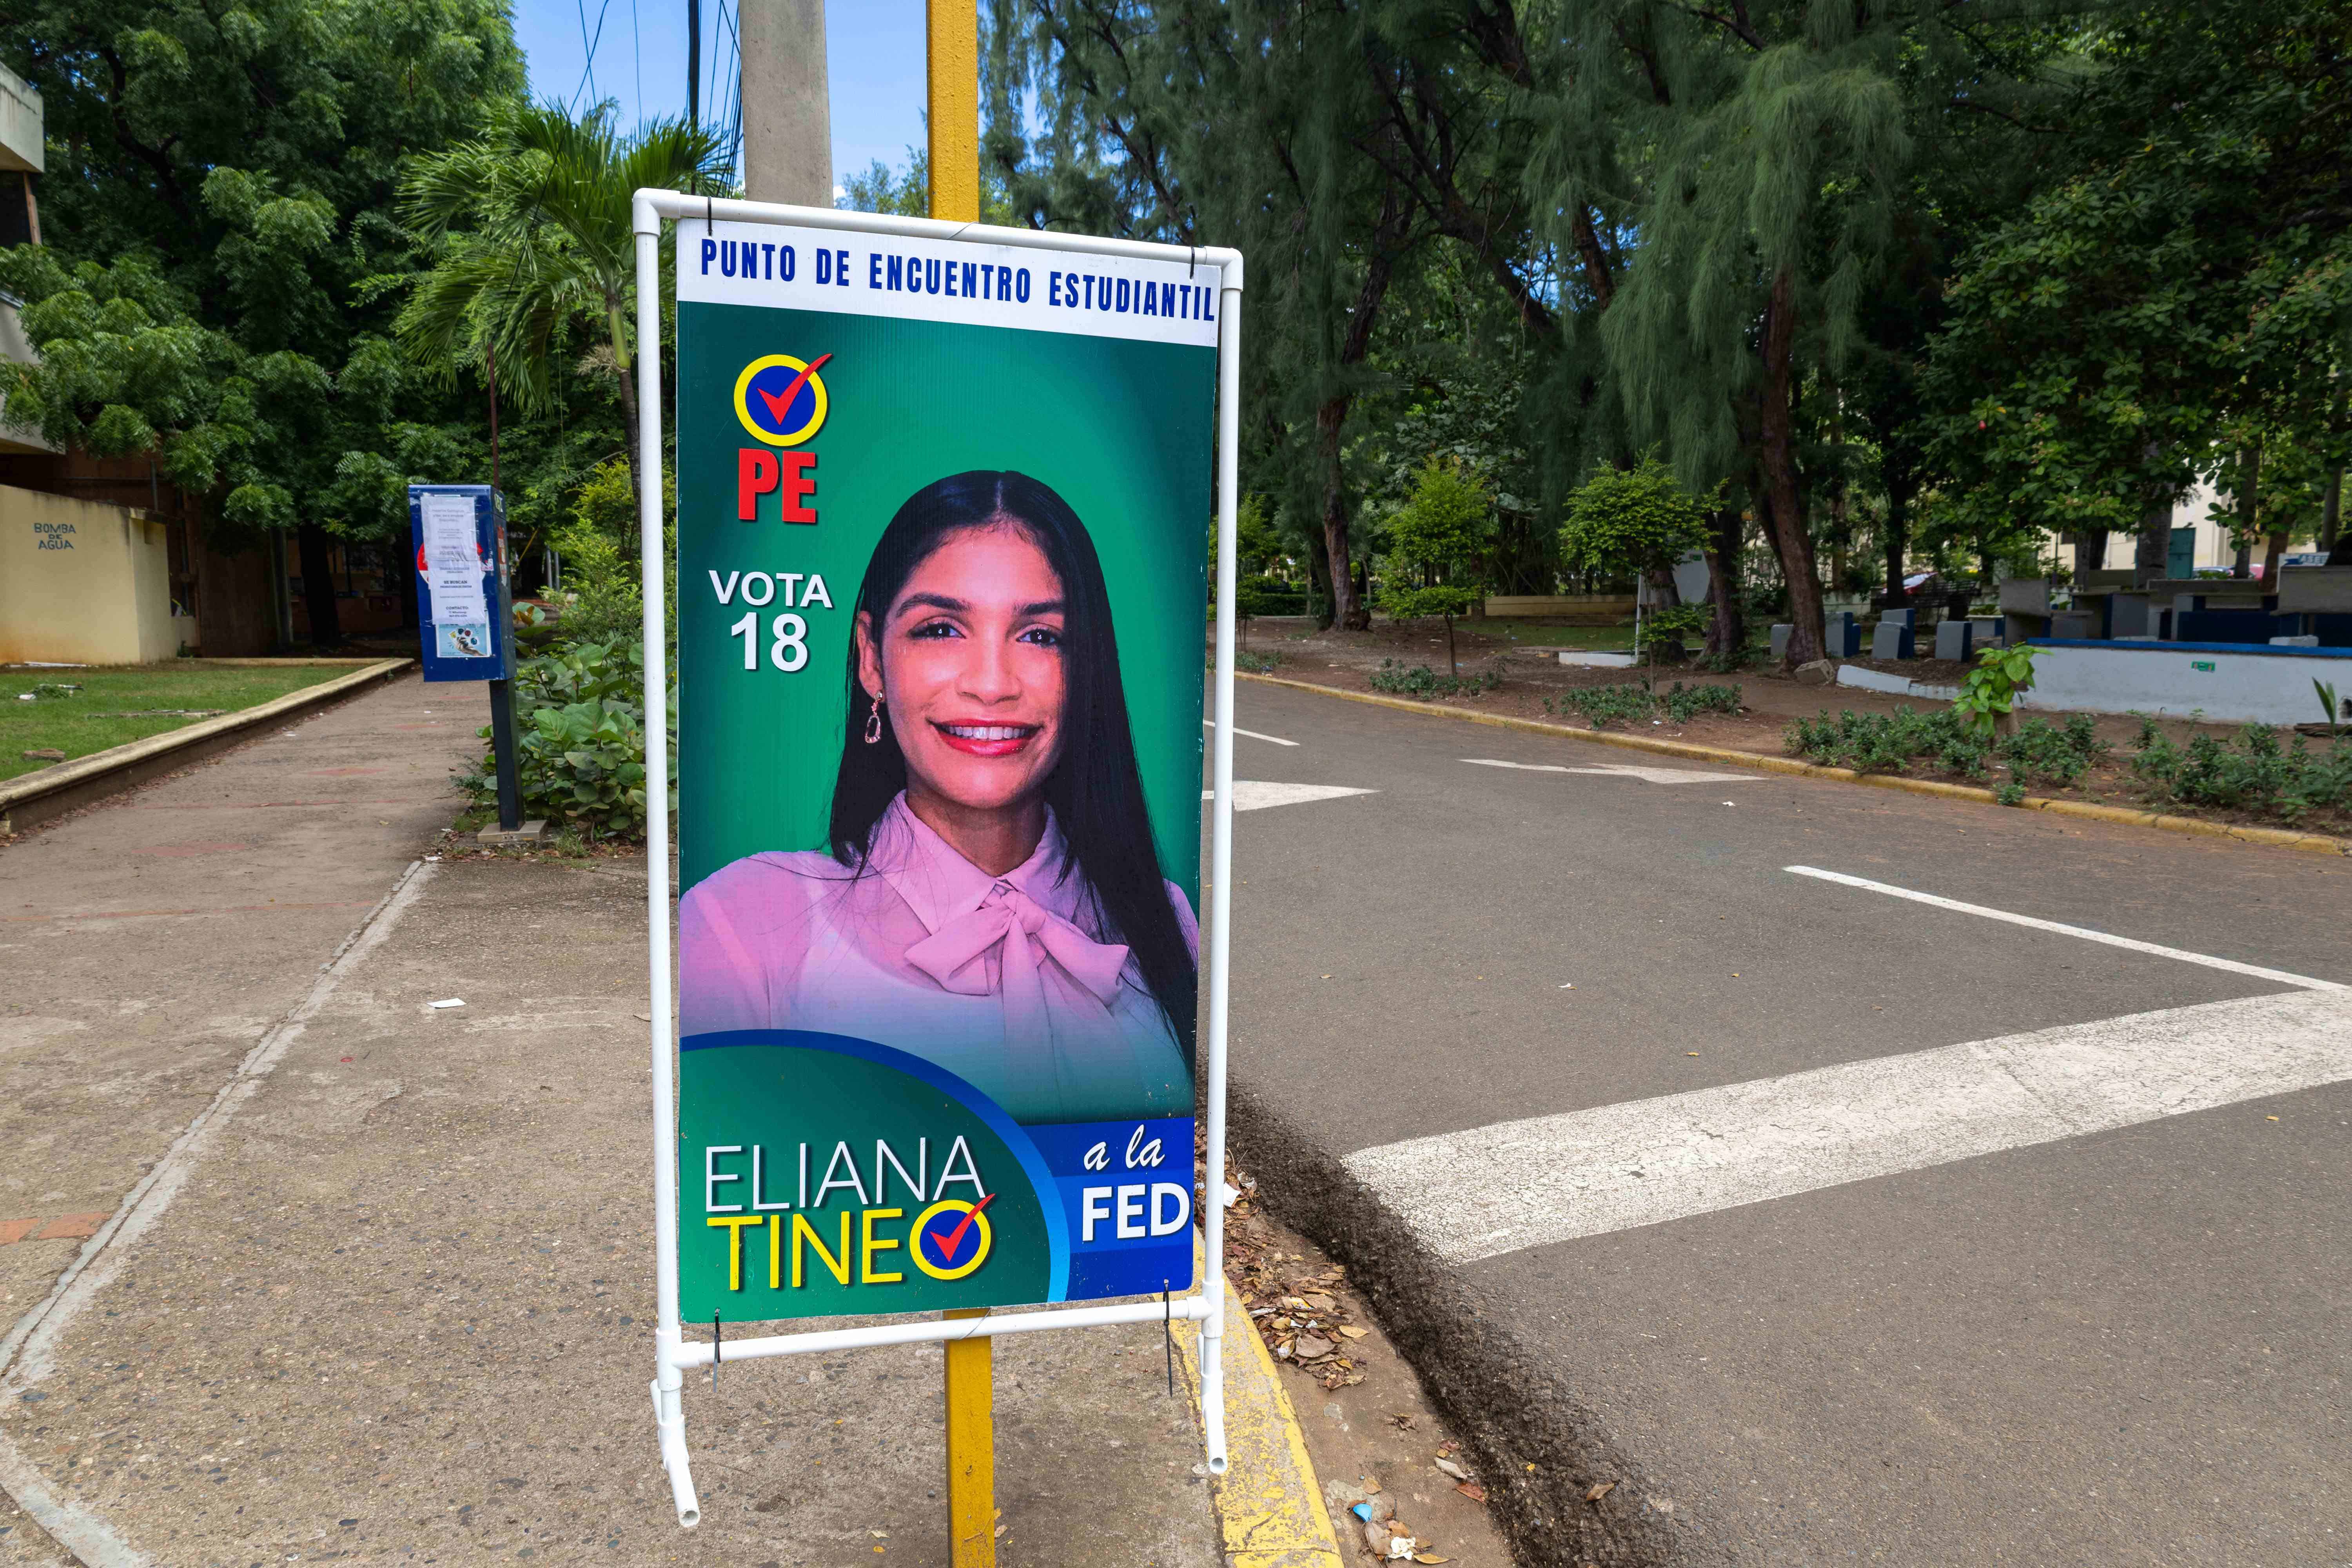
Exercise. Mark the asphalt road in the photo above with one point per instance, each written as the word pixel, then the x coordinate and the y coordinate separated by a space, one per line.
pixel 1860 1297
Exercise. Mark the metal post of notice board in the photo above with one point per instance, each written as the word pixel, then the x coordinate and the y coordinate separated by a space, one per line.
pixel 1221 270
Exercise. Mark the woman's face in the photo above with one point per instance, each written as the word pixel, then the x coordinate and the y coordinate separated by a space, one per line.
pixel 968 663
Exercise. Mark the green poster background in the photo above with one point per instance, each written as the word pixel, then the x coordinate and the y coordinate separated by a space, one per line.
pixel 780 1097
pixel 1122 430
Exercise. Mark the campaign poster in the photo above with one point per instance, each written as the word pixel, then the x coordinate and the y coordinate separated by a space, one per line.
pixel 943 511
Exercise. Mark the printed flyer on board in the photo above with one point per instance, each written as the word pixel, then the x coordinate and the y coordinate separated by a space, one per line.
pixel 942 542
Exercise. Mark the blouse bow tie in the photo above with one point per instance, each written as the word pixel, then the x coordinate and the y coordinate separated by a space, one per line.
pixel 1022 930
pixel 1026 929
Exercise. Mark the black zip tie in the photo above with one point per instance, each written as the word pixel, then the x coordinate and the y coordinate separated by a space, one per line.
pixel 717 1339
pixel 1168 1335
pixel 710 224
pixel 1193 265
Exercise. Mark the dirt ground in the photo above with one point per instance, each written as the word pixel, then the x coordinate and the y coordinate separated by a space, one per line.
pixel 1532 673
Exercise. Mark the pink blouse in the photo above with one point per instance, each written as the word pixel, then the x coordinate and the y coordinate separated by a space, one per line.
pixel 1005 980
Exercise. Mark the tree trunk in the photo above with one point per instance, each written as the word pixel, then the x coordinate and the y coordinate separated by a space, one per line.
pixel 1348 607
pixel 1453 665
pixel 625 365
pixel 1347 612
pixel 1901 485
pixel 2154 550
pixel 2249 500
pixel 2090 552
pixel 404 579
pixel 1729 633
pixel 2331 538
pixel 1785 516
pixel 318 586
pixel 2272 549
pixel 1318 580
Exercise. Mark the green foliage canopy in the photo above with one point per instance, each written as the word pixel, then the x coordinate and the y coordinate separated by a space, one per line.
pixel 1437 545
pixel 533 222
pixel 219 186
pixel 1631 522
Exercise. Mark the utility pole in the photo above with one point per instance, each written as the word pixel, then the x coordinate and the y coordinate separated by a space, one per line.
pixel 953 72
pixel 953 82
pixel 787 113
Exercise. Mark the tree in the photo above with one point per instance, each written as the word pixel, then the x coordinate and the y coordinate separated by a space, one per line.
pixel 1636 520
pixel 219 186
pixel 534 220
pixel 2176 297
pixel 1437 546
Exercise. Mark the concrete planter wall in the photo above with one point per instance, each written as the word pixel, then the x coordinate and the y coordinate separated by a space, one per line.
pixel 2229 682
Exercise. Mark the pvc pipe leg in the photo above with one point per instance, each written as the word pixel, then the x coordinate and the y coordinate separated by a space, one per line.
pixel 1212 1401
pixel 669 1422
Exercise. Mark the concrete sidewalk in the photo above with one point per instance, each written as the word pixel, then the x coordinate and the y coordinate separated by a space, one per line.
pixel 401 1308
pixel 149 941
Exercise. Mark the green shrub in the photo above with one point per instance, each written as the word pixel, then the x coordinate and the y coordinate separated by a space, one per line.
pixel 1884 743
pixel 2253 772
pixel 2040 749
pixel 1991 688
pixel 580 741
pixel 1685 703
pixel 1257 663
pixel 1422 681
pixel 1602 705
pixel 1270 596
pixel 1890 742
pixel 1671 629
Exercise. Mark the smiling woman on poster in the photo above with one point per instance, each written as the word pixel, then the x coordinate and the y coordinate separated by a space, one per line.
pixel 989 900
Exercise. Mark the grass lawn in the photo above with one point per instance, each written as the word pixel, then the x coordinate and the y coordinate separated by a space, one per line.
pixel 1605 639
pixel 91 720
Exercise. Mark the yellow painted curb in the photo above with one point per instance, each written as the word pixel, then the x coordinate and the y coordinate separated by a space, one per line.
pixel 1269 1505
pixel 2276 838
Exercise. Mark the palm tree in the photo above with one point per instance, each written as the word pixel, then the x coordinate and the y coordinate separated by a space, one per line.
pixel 532 219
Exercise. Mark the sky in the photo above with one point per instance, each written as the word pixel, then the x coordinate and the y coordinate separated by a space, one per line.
pixel 874 59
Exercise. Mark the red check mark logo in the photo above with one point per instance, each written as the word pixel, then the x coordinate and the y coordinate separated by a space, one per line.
pixel 954 1238
pixel 776 405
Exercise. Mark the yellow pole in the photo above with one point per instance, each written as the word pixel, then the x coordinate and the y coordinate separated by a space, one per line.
pixel 954 73
pixel 972 1452
pixel 953 70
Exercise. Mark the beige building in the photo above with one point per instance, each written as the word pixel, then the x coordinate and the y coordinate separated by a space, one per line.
pixel 82 582
pixel 2214 550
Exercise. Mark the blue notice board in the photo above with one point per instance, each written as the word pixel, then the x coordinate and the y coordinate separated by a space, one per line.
pixel 459 533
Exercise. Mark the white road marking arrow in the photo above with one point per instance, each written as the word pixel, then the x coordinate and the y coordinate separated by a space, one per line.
pixel 1254 794
pixel 1617 769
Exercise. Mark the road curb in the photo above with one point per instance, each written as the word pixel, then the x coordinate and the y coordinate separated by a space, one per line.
pixel 2274 838
pixel 1540 1447
pixel 1270 1509
pixel 37 798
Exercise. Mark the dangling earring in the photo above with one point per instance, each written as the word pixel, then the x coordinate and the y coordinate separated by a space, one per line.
pixel 874 723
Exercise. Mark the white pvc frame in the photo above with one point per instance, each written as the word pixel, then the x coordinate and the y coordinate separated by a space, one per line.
pixel 673 1353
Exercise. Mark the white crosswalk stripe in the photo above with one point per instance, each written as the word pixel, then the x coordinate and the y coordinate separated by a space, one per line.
pixel 1516 1184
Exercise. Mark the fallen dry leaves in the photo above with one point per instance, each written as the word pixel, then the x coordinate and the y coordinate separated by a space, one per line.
pixel 1297 1307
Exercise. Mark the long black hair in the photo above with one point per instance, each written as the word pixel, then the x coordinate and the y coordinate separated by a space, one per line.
pixel 1096 790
